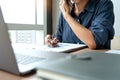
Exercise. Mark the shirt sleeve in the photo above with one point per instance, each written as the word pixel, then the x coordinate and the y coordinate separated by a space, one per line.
pixel 102 24
pixel 59 30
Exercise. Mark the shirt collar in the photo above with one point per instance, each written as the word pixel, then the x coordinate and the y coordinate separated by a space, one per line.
pixel 91 5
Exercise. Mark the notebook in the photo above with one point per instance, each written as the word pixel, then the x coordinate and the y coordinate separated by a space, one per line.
pixel 9 57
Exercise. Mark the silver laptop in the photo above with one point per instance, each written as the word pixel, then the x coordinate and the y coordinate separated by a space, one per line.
pixel 14 63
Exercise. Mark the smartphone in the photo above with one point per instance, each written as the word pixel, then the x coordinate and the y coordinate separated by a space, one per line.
pixel 67 1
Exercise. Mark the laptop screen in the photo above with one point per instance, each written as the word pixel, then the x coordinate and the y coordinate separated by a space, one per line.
pixel 7 58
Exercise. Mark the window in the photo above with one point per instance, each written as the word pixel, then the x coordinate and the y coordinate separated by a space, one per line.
pixel 26 20
pixel 23 11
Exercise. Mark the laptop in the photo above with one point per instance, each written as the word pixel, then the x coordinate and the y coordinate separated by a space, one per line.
pixel 101 66
pixel 11 60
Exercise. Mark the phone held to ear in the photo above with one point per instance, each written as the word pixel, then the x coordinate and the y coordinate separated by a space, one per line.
pixel 70 3
pixel 67 1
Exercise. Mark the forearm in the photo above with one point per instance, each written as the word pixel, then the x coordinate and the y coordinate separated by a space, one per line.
pixel 81 32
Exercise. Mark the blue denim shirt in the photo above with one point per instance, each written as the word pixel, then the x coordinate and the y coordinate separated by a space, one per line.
pixel 98 16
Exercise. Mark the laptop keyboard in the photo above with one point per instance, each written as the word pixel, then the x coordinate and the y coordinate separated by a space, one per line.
pixel 26 59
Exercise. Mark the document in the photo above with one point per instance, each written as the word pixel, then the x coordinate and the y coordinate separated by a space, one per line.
pixel 62 47
pixel 113 51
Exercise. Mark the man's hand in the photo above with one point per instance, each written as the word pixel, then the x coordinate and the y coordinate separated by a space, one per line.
pixel 64 7
pixel 51 42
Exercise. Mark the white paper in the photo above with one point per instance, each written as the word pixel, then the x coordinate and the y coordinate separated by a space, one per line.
pixel 113 52
pixel 62 47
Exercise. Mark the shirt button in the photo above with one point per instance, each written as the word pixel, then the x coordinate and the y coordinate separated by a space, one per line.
pixel 78 20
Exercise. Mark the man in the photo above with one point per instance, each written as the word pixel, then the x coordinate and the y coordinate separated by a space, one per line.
pixel 87 22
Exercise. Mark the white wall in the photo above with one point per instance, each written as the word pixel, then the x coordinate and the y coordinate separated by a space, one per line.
pixel 116 40
pixel 117 17
pixel 55 12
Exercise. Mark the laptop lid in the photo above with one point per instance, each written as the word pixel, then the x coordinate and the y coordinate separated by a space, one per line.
pixel 7 58
pixel 101 66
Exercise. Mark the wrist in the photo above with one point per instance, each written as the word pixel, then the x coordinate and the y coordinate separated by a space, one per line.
pixel 67 17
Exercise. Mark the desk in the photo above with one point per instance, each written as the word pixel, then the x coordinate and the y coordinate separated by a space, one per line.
pixel 87 49
pixel 9 76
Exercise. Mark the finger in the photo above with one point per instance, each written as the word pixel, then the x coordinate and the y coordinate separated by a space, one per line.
pixel 60 1
pixel 48 36
pixel 63 5
pixel 56 40
pixel 48 41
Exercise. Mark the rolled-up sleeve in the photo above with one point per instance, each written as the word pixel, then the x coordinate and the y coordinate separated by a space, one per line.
pixel 102 24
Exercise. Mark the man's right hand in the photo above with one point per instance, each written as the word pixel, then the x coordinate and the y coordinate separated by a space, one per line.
pixel 52 42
